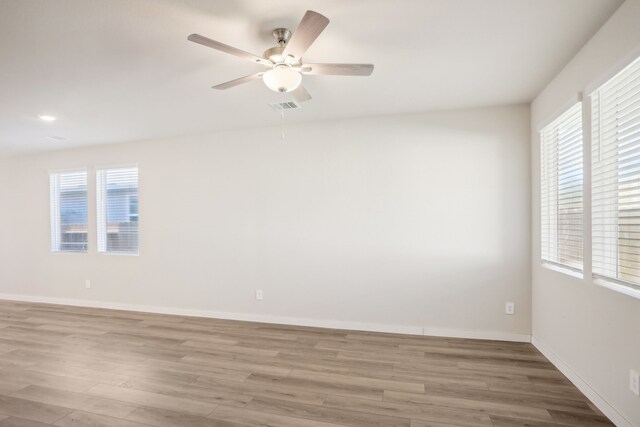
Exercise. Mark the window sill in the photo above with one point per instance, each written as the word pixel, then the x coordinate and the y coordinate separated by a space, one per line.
pixel 618 287
pixel 563 270
pixel 120 253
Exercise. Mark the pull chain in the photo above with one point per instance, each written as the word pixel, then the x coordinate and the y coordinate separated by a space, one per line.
pixel 282 113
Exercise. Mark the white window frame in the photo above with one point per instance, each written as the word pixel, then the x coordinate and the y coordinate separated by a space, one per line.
pixel 589 278
pixel 55 214
pixel 546 259
pixel 101 210
pixel 613 283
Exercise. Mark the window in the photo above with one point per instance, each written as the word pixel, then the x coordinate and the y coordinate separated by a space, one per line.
pixel 616 177
pixel 68 211
pixel 117 203
pixel 561 189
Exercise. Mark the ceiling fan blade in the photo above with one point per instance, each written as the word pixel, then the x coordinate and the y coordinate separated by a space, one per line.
pixel 309 28
pixel 338 69
pixel 197 38
pixel 300 94
pixel 237 82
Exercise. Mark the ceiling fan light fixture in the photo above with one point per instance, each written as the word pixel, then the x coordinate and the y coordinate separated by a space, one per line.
pixel 282 78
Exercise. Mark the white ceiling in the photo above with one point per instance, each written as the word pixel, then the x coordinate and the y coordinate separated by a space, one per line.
pixel 123 70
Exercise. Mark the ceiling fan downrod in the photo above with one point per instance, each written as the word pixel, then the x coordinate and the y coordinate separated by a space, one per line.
pixel 282 36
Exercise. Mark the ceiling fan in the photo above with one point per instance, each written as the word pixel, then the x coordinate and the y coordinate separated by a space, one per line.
pixel 284 62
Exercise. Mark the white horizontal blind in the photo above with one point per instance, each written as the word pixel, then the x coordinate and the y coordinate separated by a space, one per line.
pixel 616 176
pixel 68 211
pixel 117 210
pixel 561 189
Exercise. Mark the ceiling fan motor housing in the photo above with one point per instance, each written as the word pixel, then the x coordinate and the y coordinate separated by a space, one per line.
pixel 274 55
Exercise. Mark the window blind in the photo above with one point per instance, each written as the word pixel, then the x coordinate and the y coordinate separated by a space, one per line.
pixel 616 177
pixel 117 210
pixel 68 211
pixel 561 189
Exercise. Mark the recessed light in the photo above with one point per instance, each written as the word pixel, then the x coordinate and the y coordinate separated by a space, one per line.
pixel 47 118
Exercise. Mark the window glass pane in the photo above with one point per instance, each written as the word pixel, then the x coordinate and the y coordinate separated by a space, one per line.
pixel 561 189
pixel 68 196
pixel 117 197
pixel 616 177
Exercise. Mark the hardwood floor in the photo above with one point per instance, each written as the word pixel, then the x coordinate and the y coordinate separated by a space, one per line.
pixel 70 366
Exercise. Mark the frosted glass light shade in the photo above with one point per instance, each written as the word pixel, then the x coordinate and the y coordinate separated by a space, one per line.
pixel 282 79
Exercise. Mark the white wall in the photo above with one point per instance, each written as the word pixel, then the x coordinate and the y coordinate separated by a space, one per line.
pixel 593 330
pixel 4 219
pixel 401 222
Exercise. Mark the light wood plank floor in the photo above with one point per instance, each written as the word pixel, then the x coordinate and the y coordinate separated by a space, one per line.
pixel 70 366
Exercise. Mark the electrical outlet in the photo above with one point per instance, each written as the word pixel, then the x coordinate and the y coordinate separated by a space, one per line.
pixel 258 294
pixel 87 284
pixel 634 382
pixel 510 308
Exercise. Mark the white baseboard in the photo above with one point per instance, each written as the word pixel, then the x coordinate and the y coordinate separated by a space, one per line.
pixel 481 335
pixel 582 385
pixel 262 318
pixel 295 321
